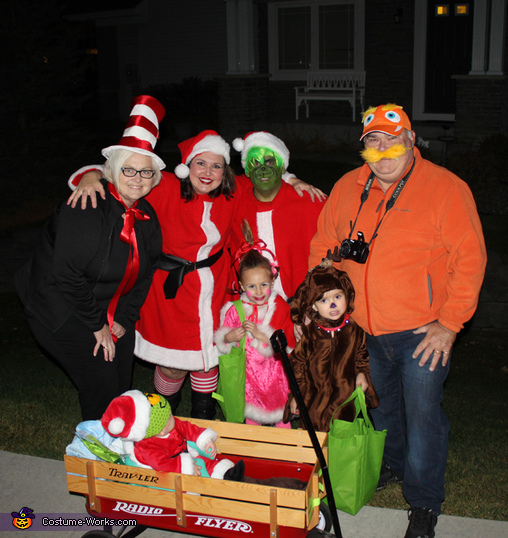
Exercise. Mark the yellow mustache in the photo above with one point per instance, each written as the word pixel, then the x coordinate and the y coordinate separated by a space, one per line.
pixel 373 155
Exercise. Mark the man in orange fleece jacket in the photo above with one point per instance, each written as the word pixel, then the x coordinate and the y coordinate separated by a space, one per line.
pixel 412 243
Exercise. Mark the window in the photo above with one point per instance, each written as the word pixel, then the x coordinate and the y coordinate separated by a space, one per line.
pixel 315 34
pixel 294 31
pixel 336 37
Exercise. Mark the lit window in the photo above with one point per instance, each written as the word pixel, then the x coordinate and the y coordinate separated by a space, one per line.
pixel 442 10
pixel 462 9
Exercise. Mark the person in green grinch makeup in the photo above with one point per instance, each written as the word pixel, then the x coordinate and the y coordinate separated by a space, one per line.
pixel 264 167
pixel 277 214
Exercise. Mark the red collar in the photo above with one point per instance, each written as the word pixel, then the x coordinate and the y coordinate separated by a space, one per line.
pixel 331 329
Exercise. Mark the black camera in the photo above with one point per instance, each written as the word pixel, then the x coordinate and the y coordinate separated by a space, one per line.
pixel 355 249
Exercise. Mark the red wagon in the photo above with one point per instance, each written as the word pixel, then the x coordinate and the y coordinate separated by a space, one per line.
pixel 211 507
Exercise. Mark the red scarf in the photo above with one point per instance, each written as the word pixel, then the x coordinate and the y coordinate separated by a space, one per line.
pixel 127 235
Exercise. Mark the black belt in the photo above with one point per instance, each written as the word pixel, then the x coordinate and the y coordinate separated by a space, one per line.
pixel 178 268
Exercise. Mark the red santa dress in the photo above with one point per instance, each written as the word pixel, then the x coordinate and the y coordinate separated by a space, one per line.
pixel 266 384
pixel 178 332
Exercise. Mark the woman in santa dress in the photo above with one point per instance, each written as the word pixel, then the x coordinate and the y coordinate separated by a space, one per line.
pixel 175 329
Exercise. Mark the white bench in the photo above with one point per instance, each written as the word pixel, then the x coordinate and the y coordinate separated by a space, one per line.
pixel 332 86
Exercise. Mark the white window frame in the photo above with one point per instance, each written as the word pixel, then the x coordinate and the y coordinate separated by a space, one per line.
pixel 301 74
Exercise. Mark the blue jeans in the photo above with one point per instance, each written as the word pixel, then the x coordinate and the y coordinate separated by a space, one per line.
pixel 410 409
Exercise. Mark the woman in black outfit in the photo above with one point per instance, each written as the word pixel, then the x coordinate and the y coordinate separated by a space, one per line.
pixel 91 270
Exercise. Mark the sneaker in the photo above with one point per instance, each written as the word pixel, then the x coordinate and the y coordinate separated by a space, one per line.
pixel 387 476
pixel 421 523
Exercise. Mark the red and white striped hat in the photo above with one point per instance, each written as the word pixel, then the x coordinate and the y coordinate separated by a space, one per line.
pixel 204 141
pixel 142 131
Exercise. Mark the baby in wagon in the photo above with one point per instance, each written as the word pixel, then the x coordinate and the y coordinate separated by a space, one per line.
pixel 154 438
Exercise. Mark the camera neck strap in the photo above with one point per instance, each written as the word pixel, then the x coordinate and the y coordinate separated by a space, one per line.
pixel 391 202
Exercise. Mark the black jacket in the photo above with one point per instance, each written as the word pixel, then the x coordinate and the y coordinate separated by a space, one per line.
pixel 79 261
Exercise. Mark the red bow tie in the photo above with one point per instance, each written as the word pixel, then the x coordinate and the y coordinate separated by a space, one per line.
pixel 127 235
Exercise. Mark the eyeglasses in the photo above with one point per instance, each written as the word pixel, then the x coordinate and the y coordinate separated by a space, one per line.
pixel 131 172
pixel 373 141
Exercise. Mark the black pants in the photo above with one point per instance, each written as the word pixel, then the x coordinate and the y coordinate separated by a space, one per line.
pixel 97 380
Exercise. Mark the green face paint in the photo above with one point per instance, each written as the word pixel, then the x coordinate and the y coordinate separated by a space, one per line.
pixel 264 167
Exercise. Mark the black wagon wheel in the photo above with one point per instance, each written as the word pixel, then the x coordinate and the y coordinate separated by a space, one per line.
pixel 325 517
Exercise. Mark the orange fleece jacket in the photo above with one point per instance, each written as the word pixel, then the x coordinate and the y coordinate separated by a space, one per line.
pixel 428 260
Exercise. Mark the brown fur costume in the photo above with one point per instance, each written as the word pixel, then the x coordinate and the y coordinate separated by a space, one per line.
pixel 326 361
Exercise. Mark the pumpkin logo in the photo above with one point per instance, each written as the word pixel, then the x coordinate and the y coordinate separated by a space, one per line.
pixel 23 519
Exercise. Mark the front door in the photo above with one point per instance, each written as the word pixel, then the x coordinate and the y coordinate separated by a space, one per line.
pixel 448 52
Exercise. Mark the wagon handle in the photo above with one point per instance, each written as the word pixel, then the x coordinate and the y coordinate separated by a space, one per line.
pixel 279 342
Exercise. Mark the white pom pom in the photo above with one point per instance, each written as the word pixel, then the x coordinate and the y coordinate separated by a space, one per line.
pixel 238 144
pixel 182 171
pixel 116 426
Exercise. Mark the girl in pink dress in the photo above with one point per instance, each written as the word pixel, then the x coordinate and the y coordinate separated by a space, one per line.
pixel 266 385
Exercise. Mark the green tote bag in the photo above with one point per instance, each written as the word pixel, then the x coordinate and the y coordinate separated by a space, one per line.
pixel 231 387
pixel 355 455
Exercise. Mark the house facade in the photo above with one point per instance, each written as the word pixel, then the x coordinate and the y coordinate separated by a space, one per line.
pixel 445 62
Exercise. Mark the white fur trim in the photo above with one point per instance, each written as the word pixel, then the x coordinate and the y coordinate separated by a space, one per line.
pixel 286 176
pixel 224 311
pixel 187 463
pixel 238 144
pixel 142 420
pixel 116 426
pixel 220 469
pixel 264 225
pixel 261 416
pixel 206 322
pixel 222 346
pixel 264 140
pixel 171 358
pixel 263 349
pixel 78 174
pixel 182 171
pixel 205 437
pixel 214 144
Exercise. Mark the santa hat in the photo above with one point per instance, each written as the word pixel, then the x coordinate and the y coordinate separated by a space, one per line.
pixel 389 119
pixel 142 130
pixel 261 139
pixel 204 141
pixel 134 416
